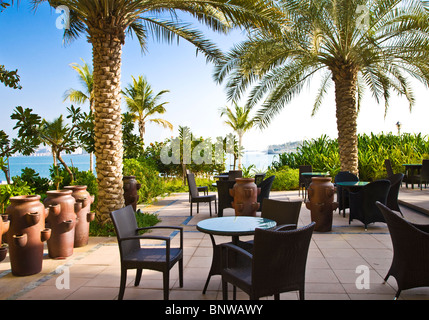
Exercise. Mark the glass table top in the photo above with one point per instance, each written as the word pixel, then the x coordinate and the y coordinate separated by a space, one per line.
pixel 315 174
pixel 352 183
pixel 236 225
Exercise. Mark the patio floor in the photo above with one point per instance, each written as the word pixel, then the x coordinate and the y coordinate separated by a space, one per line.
pixel 94 270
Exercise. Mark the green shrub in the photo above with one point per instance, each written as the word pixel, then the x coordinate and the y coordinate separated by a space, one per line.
pixel 286 178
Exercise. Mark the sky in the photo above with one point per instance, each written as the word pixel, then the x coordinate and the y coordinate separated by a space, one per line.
pixel 31 43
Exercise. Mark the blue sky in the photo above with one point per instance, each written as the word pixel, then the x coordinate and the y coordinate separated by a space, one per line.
pixel 31 43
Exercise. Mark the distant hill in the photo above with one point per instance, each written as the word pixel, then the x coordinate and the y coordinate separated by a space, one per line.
pixel 285 147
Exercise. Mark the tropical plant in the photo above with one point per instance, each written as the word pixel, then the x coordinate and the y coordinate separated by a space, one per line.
pixel 355 44
pixel 240 121
pixel 80 97
pixel 143 104
pixel 106 24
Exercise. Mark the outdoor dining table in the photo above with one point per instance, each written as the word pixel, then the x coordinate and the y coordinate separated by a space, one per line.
pixel 233 226
pixel 350 186
pixel 410 169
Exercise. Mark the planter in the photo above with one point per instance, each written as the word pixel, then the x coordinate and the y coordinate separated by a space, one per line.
pixel 27 222
pixel 131 188
pixel 4 221
pixel 61 220
pixel 321 203
pixel 3 252
pixel 245 194
pixel 83 212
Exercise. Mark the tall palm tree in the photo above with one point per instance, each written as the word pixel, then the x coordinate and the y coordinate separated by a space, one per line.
pixel 106 24
pixel 354 44
pixel 239 120
pixel 143 103
pixel 80 97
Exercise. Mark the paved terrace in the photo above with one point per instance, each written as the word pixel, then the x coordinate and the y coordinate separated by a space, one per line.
pixel 94 270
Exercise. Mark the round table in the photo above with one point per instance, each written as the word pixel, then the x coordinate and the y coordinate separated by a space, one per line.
pixel 234 226
pixel 350 186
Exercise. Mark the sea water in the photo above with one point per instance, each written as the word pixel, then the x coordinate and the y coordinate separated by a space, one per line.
pixel 41 164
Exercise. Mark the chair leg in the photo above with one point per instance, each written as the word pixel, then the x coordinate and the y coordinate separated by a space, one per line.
pixel 123 283
pixel 277 296
pixel 198 207
pixel 397 294
pixel 191 208
pixel 210 208
pixel 181 273
pixel 301 294
pixel 166 284
pixel 138 277
pixel 224 290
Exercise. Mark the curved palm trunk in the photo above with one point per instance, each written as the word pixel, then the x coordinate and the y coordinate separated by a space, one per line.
pixel 142 130
pixel 345 80
pixel 106 52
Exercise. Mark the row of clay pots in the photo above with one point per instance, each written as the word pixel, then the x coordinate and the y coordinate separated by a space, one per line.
pixel 62 220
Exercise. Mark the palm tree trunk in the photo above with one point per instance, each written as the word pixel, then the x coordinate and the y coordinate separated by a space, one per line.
pixel 142 130
pixel 345 79
pixel 107 50
pixel 240 141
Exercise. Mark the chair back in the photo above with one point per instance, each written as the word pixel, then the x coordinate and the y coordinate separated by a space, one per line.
pixel 282 212
pixel 265 190
pixel 424 172
pixel 392 197
pixel 259 177
pixel 388 165
pixel 232 174
pixel 125 223
pixel 224 198
pixel 279 259
pixel 302 169
pixel 343 176
pixel 193 190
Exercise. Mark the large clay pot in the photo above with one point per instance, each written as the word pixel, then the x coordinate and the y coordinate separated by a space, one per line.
pixel 130 191
pixel 26 234
pixel 4 227
pixel 62 220
pixel 245 193
pixel 321 202
pixel 83 213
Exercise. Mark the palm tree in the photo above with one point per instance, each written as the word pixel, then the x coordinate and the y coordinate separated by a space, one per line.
pixel 106 24
pixel 80 97
pixel 239 120
pixel 354 44
pixel 142 102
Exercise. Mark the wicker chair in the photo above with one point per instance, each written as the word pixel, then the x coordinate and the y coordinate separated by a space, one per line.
pixel 388 165
pixel 392 197
pixel 343 193
pixel 232 174
pixel 423 177
pixel 277 264
pixel 362 203
pixel 282 212
pixel 304 181
pixel 196 198
pixel 204 189
pixel 410 264
pixel 224 198
pixel 265 190
pixel 133 256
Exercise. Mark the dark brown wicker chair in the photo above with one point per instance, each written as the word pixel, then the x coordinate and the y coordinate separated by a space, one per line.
pixel 304 181
pixel 232 174
pixel 277 264
pixel 133 256
pixel 362 203
pixel 224 198
pixel 282 212
pixel 196 198
pixel 392 197
pixel 423 177
pixel 388 165
pixel 259 177
pixel 265 190
pixel 410 264
pixel 204 189
pixel 343 192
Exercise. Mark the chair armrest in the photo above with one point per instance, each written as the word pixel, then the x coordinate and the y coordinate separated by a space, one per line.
pixel 285 227
pixel 165 227
pixel 236 249
pixel 139 237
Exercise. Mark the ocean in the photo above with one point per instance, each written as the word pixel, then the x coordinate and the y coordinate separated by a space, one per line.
pixel 41 164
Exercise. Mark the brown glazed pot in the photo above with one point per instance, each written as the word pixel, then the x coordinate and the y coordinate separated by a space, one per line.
pixel 26 234
pixel 83 213
pixel 130 191
pixel 245 194
pixel 61 220
pixel 321 202
pixel 4 227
